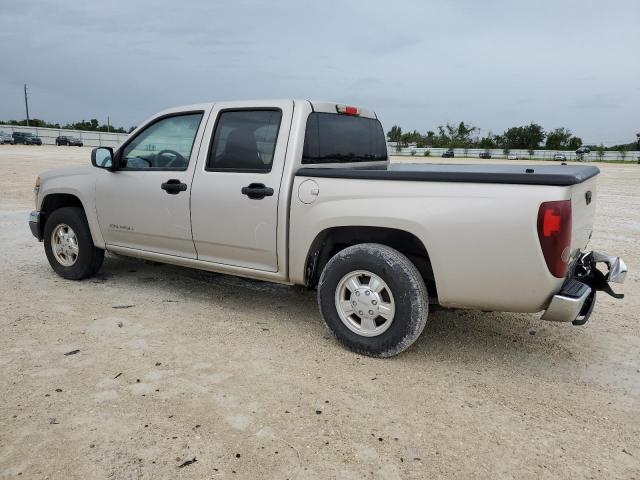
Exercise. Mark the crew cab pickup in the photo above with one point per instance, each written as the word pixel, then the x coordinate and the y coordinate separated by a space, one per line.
pixel 302 192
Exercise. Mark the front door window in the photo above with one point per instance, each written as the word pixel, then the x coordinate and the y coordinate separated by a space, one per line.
pixel 164 145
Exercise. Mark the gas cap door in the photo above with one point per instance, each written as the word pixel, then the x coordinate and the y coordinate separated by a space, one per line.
pixel 308 191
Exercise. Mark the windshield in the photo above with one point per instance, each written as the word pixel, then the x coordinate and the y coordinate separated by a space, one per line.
pixel 333 138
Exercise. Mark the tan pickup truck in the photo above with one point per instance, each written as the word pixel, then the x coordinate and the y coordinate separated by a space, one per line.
pixel 302 192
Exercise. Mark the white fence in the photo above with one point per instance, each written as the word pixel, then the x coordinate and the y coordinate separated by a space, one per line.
pixel 98 139
pixel 49 135
pixel 630 156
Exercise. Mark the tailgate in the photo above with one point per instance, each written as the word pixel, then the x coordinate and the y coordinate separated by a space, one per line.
pixel 583 209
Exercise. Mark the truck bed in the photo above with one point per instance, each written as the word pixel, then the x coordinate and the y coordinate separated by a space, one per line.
pixel 553 175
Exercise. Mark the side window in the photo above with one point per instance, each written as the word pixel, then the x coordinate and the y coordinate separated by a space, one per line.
pixel 164 145
pixel 244 141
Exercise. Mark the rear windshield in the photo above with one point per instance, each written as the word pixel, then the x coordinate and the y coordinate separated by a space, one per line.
pixel 333 138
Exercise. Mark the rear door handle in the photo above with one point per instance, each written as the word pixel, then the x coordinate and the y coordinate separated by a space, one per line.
pixel 173 186
pixel 257 191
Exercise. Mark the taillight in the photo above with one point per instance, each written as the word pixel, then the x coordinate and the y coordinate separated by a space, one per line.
pixel 554 232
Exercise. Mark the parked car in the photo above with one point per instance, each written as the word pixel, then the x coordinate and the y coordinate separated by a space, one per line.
pixel 302 193
pixel 485 155
pixel 512 156
pixel 71 141
pixel 26 138
pixel 561 157
pixel 448 153
pixel 6 138
pixel 581 152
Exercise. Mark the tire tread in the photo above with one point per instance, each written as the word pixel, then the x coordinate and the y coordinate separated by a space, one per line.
pixel 90 258
pixel 384 345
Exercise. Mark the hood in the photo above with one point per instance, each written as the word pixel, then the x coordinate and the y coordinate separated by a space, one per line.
pixel 67 172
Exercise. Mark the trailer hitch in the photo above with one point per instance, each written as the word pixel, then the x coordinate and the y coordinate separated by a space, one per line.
pixel 587 272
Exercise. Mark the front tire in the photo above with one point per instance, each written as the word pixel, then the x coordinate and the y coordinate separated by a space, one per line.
pixel 69 246
pixel 373 299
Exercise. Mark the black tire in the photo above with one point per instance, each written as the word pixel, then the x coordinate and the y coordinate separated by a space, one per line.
pixel 89 259
pixel 405 283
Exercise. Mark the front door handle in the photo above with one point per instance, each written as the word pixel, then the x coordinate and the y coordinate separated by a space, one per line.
pixel 173 186
pixel 257 191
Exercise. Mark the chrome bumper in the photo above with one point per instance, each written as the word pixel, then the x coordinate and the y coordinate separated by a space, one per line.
pixel 34 224
pixel 577 296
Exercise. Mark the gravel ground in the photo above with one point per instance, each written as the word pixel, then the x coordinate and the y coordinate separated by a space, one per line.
pixel 186 374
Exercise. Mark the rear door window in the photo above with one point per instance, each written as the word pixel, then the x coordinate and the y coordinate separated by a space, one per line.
pixel 334 138
pixel 244 141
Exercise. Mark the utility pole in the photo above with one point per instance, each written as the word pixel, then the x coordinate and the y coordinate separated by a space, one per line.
pixel 108 125
pixel 26 103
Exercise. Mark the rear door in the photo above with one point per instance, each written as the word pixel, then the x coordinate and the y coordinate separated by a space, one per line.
pixel 234 198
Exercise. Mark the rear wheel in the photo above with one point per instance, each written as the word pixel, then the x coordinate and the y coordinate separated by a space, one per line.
pixel 69 246
pixel 373 299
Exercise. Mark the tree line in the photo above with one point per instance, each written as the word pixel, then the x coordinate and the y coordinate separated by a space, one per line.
pixel 92 125
pixel 526 137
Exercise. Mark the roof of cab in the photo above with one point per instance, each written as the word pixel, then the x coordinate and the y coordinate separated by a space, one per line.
pixel 331 107
pixel 316 105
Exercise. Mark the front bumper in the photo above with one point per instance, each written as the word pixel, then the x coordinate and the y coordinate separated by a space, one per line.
pixel 35 218
pixel 575 301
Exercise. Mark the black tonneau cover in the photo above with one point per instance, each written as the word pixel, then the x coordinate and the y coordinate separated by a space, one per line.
pixel 555 175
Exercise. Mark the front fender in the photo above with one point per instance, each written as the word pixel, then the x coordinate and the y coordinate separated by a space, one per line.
pixel 80 183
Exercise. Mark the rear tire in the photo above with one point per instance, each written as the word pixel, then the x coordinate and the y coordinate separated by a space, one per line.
pixel 373 299
pixel 69 245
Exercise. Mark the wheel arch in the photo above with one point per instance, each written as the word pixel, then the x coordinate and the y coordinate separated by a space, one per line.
pixel 332 240
pixel 54 201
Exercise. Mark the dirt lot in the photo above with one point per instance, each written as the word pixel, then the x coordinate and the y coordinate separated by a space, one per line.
pixel 176 365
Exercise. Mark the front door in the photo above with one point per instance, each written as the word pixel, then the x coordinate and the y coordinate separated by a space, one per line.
pixel 234 199
pixel 144 205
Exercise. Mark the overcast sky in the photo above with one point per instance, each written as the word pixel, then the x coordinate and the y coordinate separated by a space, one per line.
pixel 416 63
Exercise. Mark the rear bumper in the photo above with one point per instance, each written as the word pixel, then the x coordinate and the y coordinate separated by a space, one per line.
pixel 577 296
pixel 570 302
pixel 34 224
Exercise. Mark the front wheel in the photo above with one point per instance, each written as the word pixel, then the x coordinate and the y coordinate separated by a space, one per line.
pixel 373 299
pixel 69 246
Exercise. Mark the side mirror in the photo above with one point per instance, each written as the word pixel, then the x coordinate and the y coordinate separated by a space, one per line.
pixel 102 157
